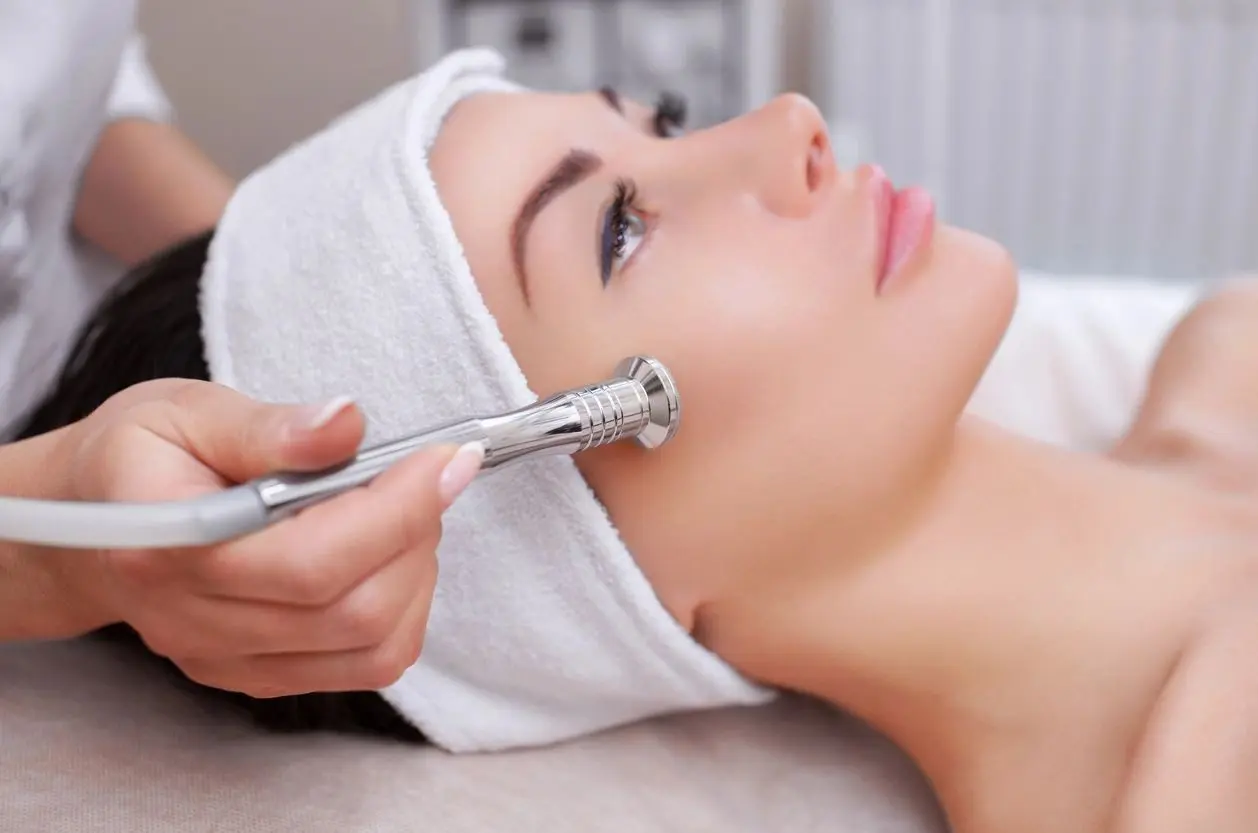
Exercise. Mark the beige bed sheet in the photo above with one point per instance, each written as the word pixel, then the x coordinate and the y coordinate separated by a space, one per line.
pixel 91 743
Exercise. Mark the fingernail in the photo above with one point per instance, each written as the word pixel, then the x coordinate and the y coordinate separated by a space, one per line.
pixel 314 417
pixel 460 471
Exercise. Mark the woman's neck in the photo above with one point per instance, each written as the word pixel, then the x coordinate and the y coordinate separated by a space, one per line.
pixel 915 637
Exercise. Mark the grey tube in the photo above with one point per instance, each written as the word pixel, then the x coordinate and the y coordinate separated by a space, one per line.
pixel 184 523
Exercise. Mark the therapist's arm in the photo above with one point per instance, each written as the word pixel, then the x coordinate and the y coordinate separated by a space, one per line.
pixel 147 186
pixel 34 599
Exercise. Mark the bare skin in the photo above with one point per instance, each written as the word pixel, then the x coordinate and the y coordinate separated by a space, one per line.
pixel 1062 643
pixel 1059 640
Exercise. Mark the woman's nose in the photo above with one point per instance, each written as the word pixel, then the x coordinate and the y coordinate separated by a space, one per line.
pixel 791 160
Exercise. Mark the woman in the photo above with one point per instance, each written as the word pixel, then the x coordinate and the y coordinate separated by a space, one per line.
pixel 1055 637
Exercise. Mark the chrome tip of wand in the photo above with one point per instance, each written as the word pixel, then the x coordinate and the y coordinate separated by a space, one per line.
pixel 664 403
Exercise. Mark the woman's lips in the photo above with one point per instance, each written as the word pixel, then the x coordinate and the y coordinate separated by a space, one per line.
pixel 906 223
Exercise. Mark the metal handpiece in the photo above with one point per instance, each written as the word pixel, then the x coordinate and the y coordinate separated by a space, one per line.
pixel 640 403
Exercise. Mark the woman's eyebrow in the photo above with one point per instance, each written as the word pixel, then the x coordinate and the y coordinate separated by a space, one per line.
pixel 568 173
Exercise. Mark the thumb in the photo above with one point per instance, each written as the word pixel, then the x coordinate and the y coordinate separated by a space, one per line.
pixel 241 438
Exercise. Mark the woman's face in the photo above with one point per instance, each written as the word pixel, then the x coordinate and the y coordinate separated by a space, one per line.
pixel 748 263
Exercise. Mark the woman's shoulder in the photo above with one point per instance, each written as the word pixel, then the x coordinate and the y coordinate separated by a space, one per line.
pixel 1213 349
pixel 1073 365
pixel 1202 393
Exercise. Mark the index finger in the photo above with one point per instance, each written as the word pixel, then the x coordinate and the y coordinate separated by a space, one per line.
pixel 326 550
pixel 242 438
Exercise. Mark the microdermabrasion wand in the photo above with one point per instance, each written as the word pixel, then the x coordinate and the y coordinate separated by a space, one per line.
pixel 640 403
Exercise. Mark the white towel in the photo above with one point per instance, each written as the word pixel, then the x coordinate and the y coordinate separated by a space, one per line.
pixel 1073 366
pixel 336 271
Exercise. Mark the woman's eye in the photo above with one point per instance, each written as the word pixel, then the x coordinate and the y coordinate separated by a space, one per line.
pixel 669 120
pixel 623 232
pixel 632 230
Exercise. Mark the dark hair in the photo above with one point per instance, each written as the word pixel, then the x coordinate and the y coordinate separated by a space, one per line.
pixel 149 327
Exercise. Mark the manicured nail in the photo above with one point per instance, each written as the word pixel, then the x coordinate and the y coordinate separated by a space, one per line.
pixel 313 417
pixel 460 471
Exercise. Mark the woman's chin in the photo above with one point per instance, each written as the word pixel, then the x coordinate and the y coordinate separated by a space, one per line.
pixel 991 260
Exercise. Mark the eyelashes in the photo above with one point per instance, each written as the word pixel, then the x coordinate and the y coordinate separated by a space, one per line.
pixel 670 115
pixel 618 223
pixel 623 229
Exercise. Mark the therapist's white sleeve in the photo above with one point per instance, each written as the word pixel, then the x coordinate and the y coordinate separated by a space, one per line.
pixel 136 92
pixel 1075 363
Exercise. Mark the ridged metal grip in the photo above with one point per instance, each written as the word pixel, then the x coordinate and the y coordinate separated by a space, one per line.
pixel 612 411
pixel 641 403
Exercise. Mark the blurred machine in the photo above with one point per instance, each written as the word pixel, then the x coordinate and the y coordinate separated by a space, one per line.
pixel 723 55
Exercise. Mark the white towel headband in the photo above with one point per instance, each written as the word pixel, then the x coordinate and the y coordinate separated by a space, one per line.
pixel 336 271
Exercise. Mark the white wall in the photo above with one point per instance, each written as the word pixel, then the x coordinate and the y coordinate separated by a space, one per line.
pixel 248 77
pixel 1112 137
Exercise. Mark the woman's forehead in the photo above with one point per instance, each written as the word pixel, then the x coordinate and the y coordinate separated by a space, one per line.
pixel 521 121
pixel 492 150
pixel 493 146
pixel 509 117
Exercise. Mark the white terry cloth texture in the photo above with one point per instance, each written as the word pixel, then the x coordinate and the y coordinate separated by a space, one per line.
pixel 336 271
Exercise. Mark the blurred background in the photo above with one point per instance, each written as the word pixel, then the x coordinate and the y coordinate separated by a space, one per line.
pixel 1115 137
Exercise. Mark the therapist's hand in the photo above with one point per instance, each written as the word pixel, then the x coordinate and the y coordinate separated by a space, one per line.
pixel 333 599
